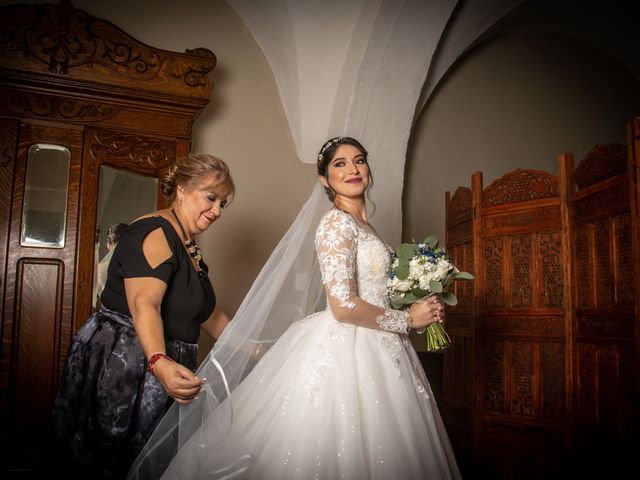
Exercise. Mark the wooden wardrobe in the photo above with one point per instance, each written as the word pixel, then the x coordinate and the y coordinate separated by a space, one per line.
pixel 76 94
pixel 542 378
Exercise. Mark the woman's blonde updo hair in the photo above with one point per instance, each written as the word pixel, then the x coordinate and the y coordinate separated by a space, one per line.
pixel 190 169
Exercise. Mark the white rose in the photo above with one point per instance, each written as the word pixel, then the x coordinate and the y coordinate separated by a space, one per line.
pixel 442 269
pixel 415 271
pixel 401 285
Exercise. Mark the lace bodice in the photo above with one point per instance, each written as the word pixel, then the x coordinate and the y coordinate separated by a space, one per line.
pixel 355 265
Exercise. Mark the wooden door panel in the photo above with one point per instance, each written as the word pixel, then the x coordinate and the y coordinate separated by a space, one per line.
pixel 39 295
pixel 38 298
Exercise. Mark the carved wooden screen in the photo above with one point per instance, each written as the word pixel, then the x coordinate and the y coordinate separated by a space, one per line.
pixel 551 340
pixel 521 389
pixel 510 339
pixel 606 368
pixel 459 364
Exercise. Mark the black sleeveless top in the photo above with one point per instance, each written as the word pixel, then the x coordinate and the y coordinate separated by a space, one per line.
pixel 189 298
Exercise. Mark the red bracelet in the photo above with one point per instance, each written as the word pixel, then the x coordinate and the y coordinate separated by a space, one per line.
pixel 154 358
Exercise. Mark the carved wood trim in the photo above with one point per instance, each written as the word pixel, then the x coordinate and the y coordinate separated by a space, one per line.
pixel 135 152
pixel 62 41
pixel 40 105
pixel 459 206
pixel 603 161
pixel 519 186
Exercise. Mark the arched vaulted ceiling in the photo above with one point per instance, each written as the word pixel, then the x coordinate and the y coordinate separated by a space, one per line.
pixel 365 68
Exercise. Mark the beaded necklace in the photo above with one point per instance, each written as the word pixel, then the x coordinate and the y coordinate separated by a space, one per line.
pixel 192 248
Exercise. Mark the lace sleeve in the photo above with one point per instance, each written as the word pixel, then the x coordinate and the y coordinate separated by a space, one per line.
pixel 336 249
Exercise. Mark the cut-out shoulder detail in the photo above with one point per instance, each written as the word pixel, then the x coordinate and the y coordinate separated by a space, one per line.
pixel 156 248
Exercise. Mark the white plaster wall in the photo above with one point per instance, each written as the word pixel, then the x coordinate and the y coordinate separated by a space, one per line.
pixel 517 101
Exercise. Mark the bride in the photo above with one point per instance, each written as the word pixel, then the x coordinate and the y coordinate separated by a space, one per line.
pixel 341 393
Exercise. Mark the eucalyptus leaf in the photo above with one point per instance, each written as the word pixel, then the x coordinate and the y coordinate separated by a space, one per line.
pixel 435 286
pixel 411 297
pixel 449 298
pixel 431 241
pixel 463 276
pixel 419 293
pixel 402 272
pixel 396 304
pixel 406 251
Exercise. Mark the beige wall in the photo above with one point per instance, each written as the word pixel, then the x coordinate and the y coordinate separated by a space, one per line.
pixel 517 101
pixel 244 124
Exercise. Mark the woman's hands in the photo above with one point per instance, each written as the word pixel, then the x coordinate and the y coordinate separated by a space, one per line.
pixel 180 383
pixel 424 313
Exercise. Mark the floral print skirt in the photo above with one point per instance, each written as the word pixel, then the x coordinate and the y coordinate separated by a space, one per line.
pixel 108 404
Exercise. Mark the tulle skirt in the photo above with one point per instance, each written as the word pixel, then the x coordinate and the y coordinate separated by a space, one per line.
pixel 329 400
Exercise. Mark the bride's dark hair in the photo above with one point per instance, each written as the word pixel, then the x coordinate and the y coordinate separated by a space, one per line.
pixel 326 154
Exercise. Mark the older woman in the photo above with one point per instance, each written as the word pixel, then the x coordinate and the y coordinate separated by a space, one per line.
pixel 138 352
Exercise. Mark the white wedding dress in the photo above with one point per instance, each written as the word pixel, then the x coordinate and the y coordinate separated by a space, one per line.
pixel 332 399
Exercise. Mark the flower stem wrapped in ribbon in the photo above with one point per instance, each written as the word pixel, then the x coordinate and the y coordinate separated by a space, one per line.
pixel 418 271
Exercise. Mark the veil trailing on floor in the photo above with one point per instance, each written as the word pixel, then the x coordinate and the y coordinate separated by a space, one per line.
pixel 287 289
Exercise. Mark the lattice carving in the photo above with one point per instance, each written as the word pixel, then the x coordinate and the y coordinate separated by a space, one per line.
pixel 586 386
pixel 603 161
pixel 524 434
pixel 521 285
pixel 449 379
pixel 458 322
pixel 608 388
pixel 521 185
pixel 629 394
pixel 542 325
pixel 603 271
pixel 468 362
pixel 53 107
pixel 134 149
pixel 624 277
pixel 523 371
pixel 494 388
pixel 494 268
pixel 605 326
pixel 552 380
pixel 540 217
pixel 459 208
pixel 458 368
pixel 459 233
pixel 584 266
pixel 600 203
pixel 550 258
pixel 468 259
pixel 64 39
pixel 463 290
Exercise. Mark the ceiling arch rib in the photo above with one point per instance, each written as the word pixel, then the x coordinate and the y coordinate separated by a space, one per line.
pixel 359 68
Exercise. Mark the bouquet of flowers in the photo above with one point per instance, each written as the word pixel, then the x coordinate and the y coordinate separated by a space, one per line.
pixel 420 270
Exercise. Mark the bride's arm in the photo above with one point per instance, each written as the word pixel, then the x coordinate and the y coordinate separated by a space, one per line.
pixel 335 246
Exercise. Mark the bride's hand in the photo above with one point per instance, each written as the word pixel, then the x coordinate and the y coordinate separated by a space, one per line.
pixel 426 312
